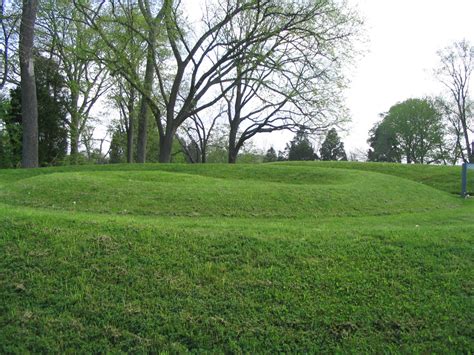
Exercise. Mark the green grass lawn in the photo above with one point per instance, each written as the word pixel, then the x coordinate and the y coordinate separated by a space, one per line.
pixel 286 257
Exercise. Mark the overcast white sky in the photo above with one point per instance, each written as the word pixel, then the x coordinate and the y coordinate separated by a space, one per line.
pixel 403 38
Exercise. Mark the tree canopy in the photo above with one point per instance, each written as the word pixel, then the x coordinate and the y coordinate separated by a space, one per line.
pixel 250 66
pixel 411 130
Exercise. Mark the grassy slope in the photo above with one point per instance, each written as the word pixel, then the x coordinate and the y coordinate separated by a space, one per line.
pixel 335 256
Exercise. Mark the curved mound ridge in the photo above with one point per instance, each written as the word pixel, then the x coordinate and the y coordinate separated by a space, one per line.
pixel 222 190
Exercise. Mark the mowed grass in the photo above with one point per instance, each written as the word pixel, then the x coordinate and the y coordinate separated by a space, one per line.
pixel 312 257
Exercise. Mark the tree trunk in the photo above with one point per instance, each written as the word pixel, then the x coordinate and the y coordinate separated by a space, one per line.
pixel 233 150
pixel 130 130
pixel 471 159
pixel 74 144
pixel 130 144
pixel 466 139
pixel 29 102
pixel 142 131
pixel 143 119
pixel 203 154
pixel 74 127
pixel 232 156
pixel 166 146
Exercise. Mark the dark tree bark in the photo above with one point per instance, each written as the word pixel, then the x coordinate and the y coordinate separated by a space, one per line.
pixel 166 146
pixel 233 150
pixel 29 103
pixel 130 123
pixel 144 107
pixel 148 83
pixel 74 125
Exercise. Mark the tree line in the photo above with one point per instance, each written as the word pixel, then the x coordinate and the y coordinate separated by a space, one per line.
pixel 181 86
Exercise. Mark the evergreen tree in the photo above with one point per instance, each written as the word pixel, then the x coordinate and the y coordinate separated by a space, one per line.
pixel 117 147
pixel 332 147
pixel 300 148
pixel 270 156
pixel 52 115
pixel 384 146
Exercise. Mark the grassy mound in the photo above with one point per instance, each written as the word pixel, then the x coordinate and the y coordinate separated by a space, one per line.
pixel 336 257
pixel 234 191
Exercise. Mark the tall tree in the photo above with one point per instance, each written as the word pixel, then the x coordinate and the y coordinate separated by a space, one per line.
pixel 124 97
pixel 454 72
pixel 332 147
pixel 300 148
pixel 29 107
pixel 69 41
pixel 293 77
pixel 413 129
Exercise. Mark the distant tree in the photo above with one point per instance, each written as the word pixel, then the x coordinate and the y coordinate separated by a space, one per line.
pixel 117 144
pixel 411 130
pixel 451 151
pixel 5 146
pixel 9 16
pixel 293 77
pixel 383 143
pixel 454 72
pixel 270 156
pixel 357 154
pixel 332 147
pixel 124 97
pixel 197 135
pixel 300 148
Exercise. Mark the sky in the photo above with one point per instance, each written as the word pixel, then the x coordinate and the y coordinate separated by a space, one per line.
pixel 403 38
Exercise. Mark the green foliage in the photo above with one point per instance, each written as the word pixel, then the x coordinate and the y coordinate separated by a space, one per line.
pixel 332 147
pixel 270 156
pixel 51 116
pixel 118 147
pixel 6 154
pixel 411 130
pixel 300 148
pixel 218 258
pixel 384 144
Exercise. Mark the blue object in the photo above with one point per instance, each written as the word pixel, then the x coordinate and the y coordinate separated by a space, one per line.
pixel 465 168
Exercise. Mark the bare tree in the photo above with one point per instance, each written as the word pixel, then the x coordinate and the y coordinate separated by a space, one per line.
pixel 457 65
pixel 8 25
pixel 197 136
pixel 124 97
pixel 29 102
pixel 292 79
